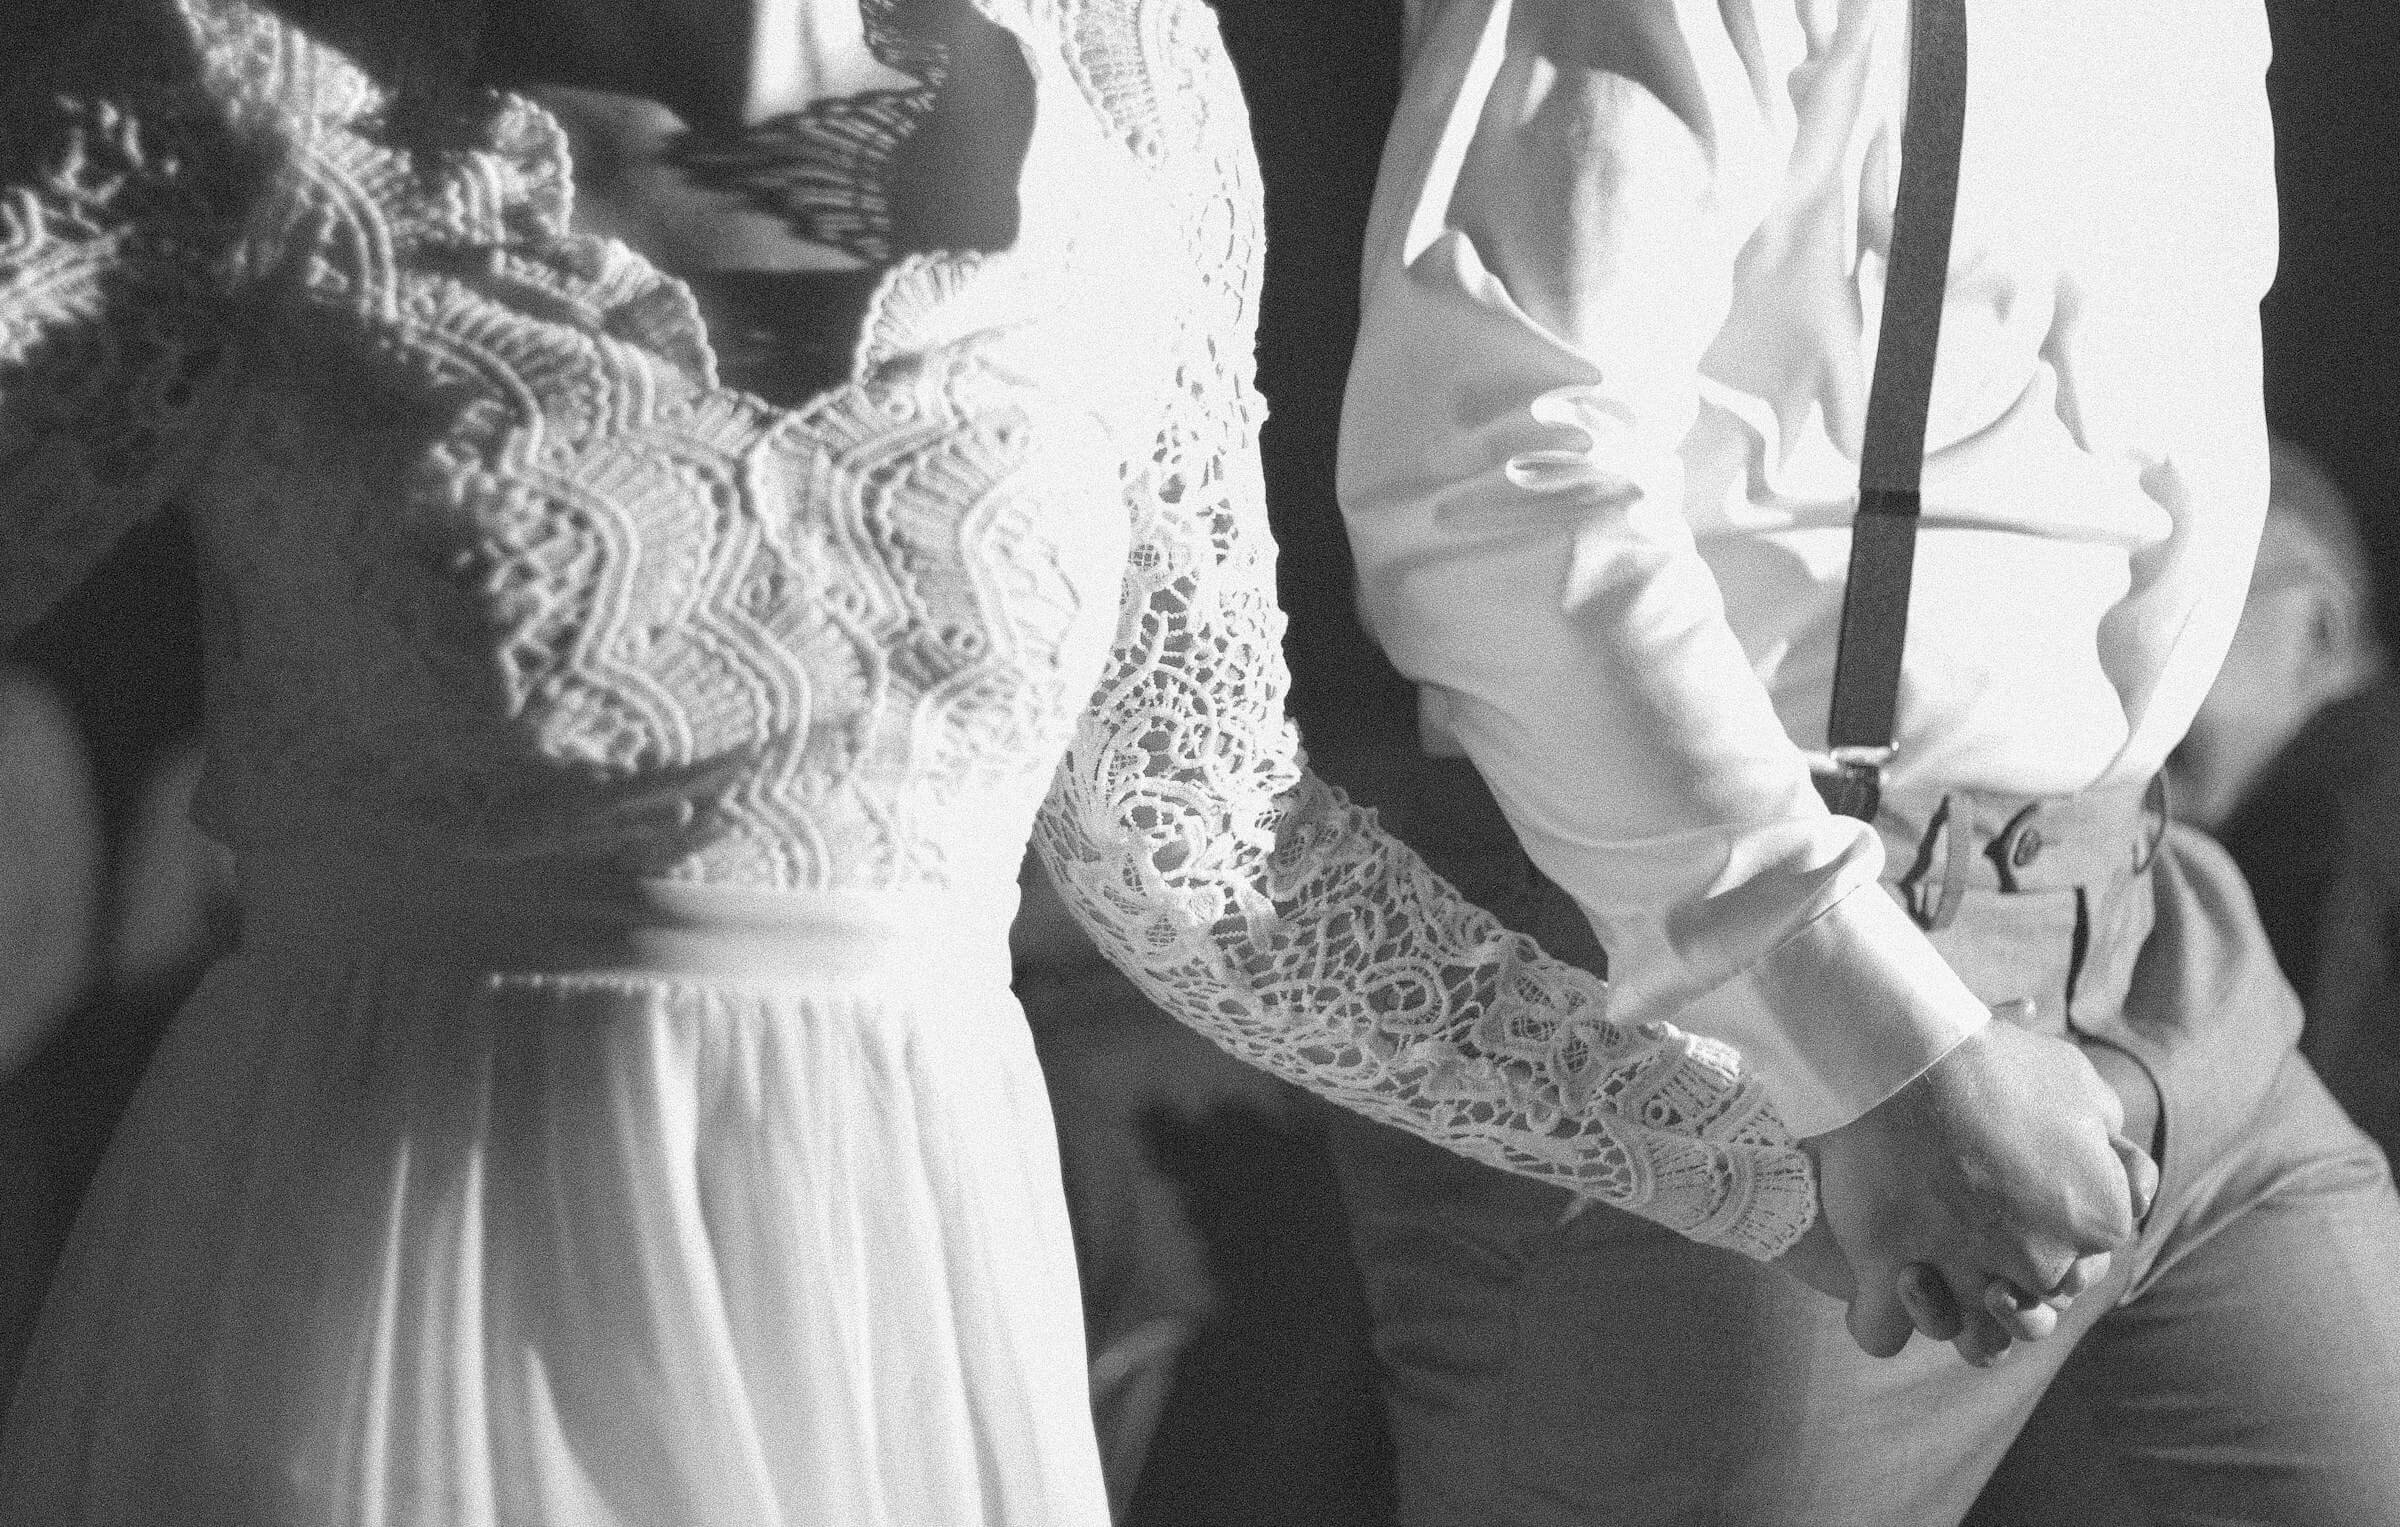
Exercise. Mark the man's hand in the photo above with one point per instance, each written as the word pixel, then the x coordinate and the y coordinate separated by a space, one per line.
pixel 2002 1162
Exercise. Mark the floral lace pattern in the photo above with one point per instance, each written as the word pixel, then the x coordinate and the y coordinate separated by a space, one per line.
pixel 1256 902
pixel 501 572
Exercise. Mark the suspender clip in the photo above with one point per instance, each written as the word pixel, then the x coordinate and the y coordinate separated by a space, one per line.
pixel 1850 779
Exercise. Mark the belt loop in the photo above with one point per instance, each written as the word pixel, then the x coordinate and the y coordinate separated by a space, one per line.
pixel 1955 862
pixel 1934 904
pixel 2155 810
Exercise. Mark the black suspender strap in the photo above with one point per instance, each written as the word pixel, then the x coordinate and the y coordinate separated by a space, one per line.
pixel 1883 538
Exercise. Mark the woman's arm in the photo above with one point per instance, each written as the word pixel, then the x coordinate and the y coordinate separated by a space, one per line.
pixel 1259 905
pixel 1255 902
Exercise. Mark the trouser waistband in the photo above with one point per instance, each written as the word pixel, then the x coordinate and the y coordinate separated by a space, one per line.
pixel 1938 845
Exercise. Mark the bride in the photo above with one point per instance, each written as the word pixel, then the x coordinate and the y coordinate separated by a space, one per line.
pixel 631 694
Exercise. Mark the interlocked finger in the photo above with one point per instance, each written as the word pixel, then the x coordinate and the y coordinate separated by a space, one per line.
pixel 2086 1272
pixel 2026 1317
pixel 1927 1299
pixel 2141 1174
pixel 1982 1343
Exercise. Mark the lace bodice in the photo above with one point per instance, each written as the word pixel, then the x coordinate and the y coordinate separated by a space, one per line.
pixel 499 570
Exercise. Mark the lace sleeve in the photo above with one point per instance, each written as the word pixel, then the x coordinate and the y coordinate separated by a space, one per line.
pixel 1257 903
pixel 110 330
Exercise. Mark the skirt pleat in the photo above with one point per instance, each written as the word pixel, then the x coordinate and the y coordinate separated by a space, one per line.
pixel 397 1246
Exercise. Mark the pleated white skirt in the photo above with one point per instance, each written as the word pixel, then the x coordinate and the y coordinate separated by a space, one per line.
pixel 384 1241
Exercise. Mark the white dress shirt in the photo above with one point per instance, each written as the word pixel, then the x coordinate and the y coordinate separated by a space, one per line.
pixel 1600 452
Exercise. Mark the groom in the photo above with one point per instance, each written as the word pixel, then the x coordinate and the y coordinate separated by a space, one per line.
pixel 1600 456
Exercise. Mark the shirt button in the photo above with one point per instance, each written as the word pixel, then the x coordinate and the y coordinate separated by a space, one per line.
pixel 2028 849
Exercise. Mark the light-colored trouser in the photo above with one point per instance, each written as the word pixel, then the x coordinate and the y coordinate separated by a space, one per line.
pixel 2242 1362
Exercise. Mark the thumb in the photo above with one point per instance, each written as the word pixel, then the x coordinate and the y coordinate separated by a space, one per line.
pixel 2141 1173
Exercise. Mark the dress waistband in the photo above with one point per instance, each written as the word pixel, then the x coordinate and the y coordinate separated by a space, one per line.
pixel 536 920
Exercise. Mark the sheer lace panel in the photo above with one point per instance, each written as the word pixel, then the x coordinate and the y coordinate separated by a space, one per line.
pixel 825 171
pixel 838 171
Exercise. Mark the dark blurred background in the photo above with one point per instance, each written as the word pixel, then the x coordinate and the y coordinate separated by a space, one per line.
pixel 2333 318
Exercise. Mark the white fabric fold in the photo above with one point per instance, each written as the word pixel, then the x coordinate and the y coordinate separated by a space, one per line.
pixel 1602 432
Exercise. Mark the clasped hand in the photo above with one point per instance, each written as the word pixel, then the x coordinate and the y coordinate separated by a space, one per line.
pixel 1974 1204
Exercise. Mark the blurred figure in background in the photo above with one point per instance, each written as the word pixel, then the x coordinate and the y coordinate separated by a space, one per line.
pixel 2294 763
pixel 174 911
pixel 50 859
pixel 2301 715
pixel 105 957
pixel 50 878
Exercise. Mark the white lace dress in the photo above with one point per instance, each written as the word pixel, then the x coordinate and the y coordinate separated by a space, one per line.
pixel 616 1111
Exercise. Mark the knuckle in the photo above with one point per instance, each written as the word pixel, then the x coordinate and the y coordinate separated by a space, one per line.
pixel 2112 1107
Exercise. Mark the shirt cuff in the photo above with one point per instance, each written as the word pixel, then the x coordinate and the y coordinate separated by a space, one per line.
pixel 1843 1014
